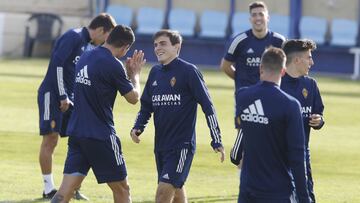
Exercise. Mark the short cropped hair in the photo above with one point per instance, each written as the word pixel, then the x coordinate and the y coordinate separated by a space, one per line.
pixel 273 59
pixel 295 46
pixel 257 4
pixel 174 36
pixel 104 20
pixel 120 36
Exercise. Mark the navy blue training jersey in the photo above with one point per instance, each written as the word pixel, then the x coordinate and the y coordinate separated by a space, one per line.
pixel 306 91
pixel 272 141
pixel 60 75
pixel 99 75
pixel 245 51
pixel 172 93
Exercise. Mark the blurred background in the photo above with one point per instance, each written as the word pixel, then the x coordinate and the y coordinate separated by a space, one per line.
pixel 29 28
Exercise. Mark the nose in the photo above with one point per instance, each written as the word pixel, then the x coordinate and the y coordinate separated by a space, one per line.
pixel 311 62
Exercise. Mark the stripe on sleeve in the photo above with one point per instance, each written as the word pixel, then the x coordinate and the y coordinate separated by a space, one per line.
pixel 235 149
pixel 236 42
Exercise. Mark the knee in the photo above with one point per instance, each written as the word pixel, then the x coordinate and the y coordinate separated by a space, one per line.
pixel 50 142
pixel 123 190
pixel 163 197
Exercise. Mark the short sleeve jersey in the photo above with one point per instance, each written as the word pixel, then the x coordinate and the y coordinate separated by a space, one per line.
pixel 99 76
pixel 245 51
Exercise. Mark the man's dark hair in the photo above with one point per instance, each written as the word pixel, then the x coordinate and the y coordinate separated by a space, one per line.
pixel 273 59
pixel 103 20
pixel 174 36
pixel 120 36
pixel 294 46
pixel 257 4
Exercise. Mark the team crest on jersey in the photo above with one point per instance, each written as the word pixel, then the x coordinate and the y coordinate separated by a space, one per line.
pixel 305 93
pixel 52 124
pixel 173 81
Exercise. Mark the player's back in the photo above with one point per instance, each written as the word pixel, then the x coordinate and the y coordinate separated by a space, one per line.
pixel 95 91
pixel 268 116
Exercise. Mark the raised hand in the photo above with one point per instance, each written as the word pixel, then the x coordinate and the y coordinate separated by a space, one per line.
pixel 134 64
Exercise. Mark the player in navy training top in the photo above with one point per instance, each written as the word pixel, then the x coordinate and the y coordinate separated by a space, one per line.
pixel 272 138
pixel 242 58
pixel 172 92
pixel 93 142
pixel 297 83
pixel 55 94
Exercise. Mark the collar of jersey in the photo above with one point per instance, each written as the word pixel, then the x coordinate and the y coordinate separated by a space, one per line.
pixel 170 65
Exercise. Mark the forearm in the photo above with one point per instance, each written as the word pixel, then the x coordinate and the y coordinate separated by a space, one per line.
pixel 228 68
pixel 135 80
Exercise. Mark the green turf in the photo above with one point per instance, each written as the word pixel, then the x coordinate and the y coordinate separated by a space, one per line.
pixel 335 149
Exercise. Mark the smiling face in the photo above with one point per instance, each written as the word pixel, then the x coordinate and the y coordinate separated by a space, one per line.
pixel 304 62
pixel 164 50
pixel 259 18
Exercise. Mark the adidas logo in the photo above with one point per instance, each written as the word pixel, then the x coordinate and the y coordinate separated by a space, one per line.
pixel 83 77
pixel 250 51
pixel 166 176
pixel 254 113
pixel 154 83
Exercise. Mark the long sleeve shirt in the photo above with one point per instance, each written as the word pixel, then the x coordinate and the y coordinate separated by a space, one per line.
pixel 172 93
pixel 60 75
pixel 272 140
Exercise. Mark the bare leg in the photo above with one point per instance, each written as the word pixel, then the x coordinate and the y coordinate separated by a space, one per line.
pixel 47 148
pixel 165 193
pixel 67 188
pixel 180 196
pixel 121 191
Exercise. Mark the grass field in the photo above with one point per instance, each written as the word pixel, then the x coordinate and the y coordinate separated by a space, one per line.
pixel 335 149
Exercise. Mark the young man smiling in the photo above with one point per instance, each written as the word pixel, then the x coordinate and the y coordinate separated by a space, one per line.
pixel 172 92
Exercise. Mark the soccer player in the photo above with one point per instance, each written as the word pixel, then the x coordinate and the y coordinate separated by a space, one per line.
pixel 172 92
pixel 55 94
pixel 297 83
pixel 93 142
pixel 273 140
pixel 242 58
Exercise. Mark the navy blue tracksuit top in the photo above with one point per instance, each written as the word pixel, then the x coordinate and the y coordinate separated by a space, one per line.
pixel 272 142
pixel 172 93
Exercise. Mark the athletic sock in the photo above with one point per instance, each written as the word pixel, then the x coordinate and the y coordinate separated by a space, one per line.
pixel 48 183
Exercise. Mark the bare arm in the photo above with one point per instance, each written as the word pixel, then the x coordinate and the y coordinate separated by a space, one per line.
pixel 133 68
pixel 228 68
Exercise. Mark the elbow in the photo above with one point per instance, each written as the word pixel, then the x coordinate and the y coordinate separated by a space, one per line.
pixel 134 101
pixel 132 97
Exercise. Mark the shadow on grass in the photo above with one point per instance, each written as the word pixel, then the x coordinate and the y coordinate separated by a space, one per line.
pixel 231 198
pixel 216 199
pixel 25 200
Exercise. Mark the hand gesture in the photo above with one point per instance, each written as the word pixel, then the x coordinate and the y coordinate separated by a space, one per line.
pixel 134 64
